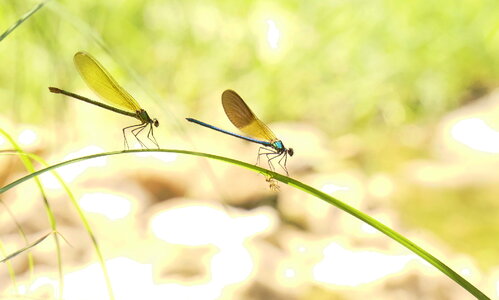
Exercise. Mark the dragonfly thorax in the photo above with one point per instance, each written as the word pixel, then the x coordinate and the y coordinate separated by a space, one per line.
pixel 280 148
pixel 144 118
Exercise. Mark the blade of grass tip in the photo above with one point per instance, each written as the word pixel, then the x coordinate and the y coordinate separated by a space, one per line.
pixel 53 224
pixel 25 238
pixel 21 20
pixel 82 216
pixel 16 253
pixel 67 242
pixel 301 186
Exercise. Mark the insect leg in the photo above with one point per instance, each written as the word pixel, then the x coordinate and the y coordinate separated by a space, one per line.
pixel 275 155
pixel 124 134
pixel 136 131
pixel 285 157
pixel 151 134
pixel 263 151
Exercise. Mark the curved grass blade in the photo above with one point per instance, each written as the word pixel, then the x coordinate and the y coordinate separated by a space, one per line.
pixel 25 238
pixel 16 253
pixel 53 224
pixel 10 268
pixel 299 185
pixel 83 219
pixel 21 20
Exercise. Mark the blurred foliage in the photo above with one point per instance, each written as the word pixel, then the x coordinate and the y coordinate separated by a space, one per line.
pixel 359 63
pixel 472 217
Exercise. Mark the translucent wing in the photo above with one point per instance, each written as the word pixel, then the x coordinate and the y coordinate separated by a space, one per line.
pixel 102 83
pixel 243 118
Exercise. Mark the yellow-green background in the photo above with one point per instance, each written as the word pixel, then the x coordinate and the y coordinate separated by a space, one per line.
pixel 373 79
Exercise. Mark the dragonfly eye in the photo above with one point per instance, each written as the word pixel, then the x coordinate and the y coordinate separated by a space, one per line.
pixel 155 122
pixel 291 151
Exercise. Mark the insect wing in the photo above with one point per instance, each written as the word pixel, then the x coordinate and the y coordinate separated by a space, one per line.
pixel 243 118
pixel 102 83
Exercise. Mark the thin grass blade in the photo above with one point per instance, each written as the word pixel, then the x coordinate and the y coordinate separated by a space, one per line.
pixel 12 255
pixel 21 20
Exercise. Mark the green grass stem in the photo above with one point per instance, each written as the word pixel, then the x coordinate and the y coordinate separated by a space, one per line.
pixel 82 216
pixel 21 20
pixel 297 184
pixel 53 224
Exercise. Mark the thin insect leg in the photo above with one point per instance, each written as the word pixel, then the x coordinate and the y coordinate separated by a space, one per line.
pixel 135 135
pixel 124 134
pixel 270 157
pixel 285 157
pixel 125 141
pixel 260 153
pixel 269 160
pixel 270 154
pixel 137 131
pixel 151 134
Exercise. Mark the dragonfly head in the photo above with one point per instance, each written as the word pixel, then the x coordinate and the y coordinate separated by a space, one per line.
pixel 155 122
pixel 291 151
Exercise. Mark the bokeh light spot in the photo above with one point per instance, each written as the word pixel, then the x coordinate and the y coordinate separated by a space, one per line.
pixel 476 134
pixel 338 265
pixel 111 206
pixel 331 188
pixel 273 34
pixel 27 137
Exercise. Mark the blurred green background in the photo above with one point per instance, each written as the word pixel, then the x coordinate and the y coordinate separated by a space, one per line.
pixel 374 81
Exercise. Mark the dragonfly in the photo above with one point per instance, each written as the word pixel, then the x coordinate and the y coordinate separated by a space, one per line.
pixel 100 81
pixel 245 120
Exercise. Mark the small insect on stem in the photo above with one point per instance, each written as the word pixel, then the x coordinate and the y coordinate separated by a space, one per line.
pixel 245 120
pixel 120 101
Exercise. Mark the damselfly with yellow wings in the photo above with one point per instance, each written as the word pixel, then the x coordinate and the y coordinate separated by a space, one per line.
pixel 103 84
